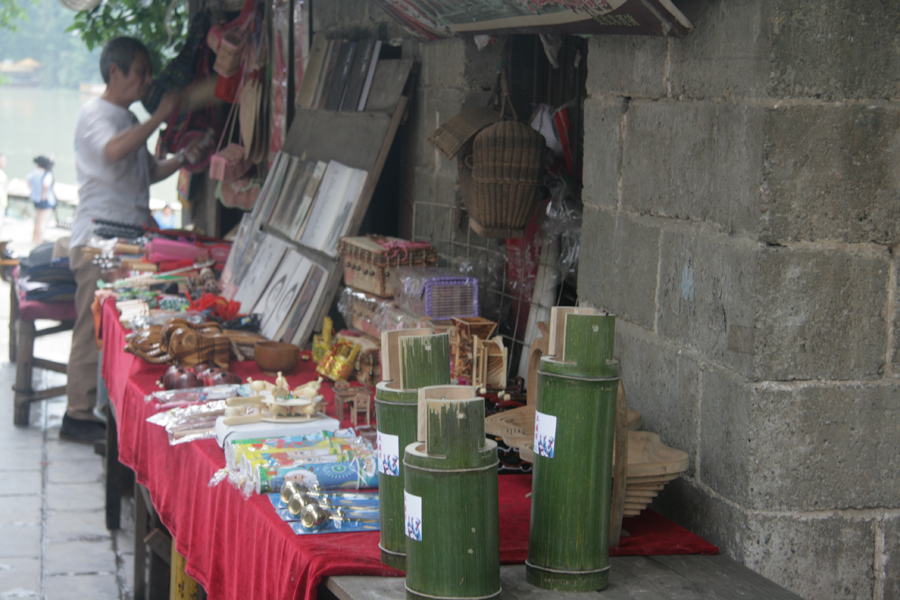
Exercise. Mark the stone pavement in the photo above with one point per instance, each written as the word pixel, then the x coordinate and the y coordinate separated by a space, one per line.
pixel 53 540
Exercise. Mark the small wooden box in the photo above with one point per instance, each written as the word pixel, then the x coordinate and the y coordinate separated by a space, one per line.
pixel 370 262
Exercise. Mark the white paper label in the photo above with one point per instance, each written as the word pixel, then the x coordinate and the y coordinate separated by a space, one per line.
pixel 412 510
pixel 544 434
pixel 389 454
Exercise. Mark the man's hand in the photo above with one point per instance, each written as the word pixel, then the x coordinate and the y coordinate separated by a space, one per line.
pixel 167 105
pixel 199 147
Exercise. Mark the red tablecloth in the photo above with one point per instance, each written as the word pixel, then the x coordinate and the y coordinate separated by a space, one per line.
pixel 239 548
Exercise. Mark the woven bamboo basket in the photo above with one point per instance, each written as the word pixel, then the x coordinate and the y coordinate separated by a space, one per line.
pixel 507 175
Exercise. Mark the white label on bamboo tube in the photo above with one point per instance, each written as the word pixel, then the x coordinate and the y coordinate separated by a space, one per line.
pixel 412 510
pixel 389 454
pixel 544 434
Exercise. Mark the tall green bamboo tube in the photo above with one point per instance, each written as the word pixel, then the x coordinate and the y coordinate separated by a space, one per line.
pixel 568 549
pixel 420 358
pixel 453 548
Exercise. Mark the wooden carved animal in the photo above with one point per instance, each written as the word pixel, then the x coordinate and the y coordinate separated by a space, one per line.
pixel 181 342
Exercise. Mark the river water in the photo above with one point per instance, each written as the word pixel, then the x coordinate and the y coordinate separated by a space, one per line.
pixel 35 121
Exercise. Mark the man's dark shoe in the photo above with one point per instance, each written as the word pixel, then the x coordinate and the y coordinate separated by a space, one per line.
pixel 82 431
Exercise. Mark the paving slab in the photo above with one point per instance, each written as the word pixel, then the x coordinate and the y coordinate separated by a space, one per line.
pixel 75 496
pixel 21 483
pixel 20 509
pixel 95 587
pixel 20 577
pixel 64 471
pixel 72 525
pixel 80 557
pixel 23 541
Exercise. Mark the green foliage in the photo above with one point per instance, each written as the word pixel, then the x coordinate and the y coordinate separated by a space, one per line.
pixel 42 35
pixel 10 12
pixel 141 19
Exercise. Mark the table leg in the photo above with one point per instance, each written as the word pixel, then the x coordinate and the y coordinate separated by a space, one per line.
pixel 24 372
pixel 119 478
pixel 182 585
pixel 152 542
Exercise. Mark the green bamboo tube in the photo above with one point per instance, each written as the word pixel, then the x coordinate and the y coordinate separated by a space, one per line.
pixel 451 486
pixel 425 360
pixel 568 548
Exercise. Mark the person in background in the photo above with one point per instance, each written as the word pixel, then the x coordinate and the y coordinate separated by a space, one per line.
pixel 165 218
pixel 4 182
pixel 115 171
pixel 42 195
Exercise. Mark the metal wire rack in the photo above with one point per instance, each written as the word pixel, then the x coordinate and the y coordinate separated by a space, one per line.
pixel 503 298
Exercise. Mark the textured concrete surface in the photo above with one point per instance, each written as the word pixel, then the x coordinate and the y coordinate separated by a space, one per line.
pixel 51 491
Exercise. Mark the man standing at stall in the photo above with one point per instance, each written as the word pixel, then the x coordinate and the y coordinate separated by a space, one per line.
pixel 115 171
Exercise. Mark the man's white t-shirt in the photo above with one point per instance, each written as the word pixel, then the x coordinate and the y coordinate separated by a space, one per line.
pixel 117 191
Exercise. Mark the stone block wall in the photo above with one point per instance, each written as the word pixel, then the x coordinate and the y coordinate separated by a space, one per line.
pixel 741 219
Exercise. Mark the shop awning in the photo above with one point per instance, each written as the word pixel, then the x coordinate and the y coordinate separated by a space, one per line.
pixel 435 19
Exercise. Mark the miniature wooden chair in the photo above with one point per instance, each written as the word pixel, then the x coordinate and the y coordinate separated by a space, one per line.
pixel 362 403
pixel 343 394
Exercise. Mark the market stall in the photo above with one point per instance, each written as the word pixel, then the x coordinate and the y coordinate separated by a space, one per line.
pixel 239 547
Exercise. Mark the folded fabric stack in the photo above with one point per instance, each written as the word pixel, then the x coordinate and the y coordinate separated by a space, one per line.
pixel 46 279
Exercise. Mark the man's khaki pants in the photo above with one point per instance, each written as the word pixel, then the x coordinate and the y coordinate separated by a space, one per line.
pixel 82 371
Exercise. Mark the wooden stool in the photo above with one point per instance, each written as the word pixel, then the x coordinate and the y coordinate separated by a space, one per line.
pixel 23 313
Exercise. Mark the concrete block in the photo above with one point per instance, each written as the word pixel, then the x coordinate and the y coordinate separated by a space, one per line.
pixel 847 50
pixel 20 510
pixel 97 587
pixel 707 295
pixel 61 450
pixel 632 66
pixel 825 447
pixel 624 258
pixel 891 585
pixel 74 496
pixel 23 541
pixel 661 382
pixel 21 483
pixel 444 63
pixel 699 161
pixel 727 54
pixel 715 520
pixel 74 525
pixel 21 577
pixel 813 557
pixel 602 151
pixel 821 314
pixel 832 173
pixel 725 406
pixel 80 558
pixel 89 471
pixel 433 107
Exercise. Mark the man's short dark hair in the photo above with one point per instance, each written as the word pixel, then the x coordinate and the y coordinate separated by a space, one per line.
pixel 120 51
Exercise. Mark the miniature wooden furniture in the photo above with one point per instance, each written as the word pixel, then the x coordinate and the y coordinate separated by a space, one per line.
pixel 343 394
pixel 362 403
pixel 22 317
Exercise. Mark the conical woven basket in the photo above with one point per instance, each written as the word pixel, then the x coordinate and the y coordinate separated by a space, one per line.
pixel 507 175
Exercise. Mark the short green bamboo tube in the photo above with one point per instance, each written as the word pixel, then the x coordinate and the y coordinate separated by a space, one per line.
pixel 420 358
pixel 453 475
pixel 568 548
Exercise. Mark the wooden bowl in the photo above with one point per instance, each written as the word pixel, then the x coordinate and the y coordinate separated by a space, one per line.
pixel 272 357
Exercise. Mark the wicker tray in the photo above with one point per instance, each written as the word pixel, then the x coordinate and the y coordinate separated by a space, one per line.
pixel 651 465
